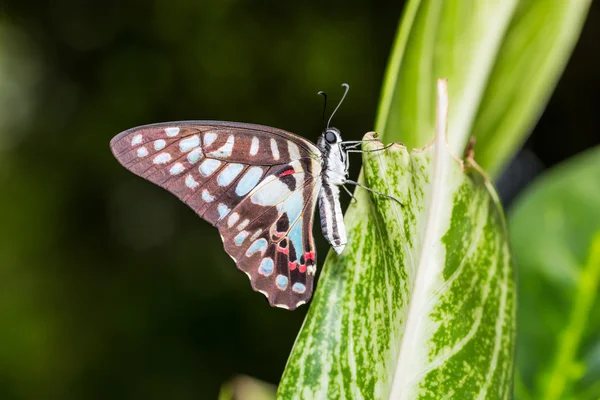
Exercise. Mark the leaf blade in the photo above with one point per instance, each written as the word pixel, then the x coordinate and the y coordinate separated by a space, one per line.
pixel 534 53
pixel 502 60
pixel 555 234
pixel 359 339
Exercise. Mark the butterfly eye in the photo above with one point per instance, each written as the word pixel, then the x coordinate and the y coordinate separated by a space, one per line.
pixel 330 137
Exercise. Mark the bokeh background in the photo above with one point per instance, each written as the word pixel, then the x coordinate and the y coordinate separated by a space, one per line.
pixel 109 286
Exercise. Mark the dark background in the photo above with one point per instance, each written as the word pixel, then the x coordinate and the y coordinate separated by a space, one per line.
pixel 109 286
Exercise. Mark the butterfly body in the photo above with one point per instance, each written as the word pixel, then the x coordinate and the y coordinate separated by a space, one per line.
pixel 258 185
pixel 334 167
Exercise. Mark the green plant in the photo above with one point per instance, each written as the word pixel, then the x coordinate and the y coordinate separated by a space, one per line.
pixel 422 303
pixel 555 229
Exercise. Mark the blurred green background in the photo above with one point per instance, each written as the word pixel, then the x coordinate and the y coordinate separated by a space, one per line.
pixel 109 286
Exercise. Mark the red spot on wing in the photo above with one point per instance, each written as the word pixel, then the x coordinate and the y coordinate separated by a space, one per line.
pixel 302 268
pixel 283 250
pixel 310 256
pixel 286 172
pixel 292 265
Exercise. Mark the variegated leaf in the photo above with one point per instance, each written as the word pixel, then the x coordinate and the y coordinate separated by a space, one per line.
pixel 422 303
pixel 502 59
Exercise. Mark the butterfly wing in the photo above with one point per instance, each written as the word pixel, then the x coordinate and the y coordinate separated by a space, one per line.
pixel 258 185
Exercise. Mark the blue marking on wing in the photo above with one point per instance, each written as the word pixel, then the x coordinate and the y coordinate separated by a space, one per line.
pixel 295 237
pixel 266 267
pixel 298 287
pixel 223 210
pixel 293 207
pixel 240 237
pixel 281 282
pixel 229 174
pixel 248 181
pixel 258 245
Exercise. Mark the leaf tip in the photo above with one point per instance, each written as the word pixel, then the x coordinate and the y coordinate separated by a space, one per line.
pixel 373 137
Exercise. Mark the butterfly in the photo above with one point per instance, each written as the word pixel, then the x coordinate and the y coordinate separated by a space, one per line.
pixel 258 185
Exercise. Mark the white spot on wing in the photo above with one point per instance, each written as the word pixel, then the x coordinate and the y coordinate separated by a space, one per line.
pixel 172 131
pixel 240 237
pixel 190 182
pixel 223 210
pixel 315 166
pixel 293 150
pixel 159 144
pixel 137 139
pixel 254 146
pixel 248 181
pixel 243 224
pixel 225 150
pixel 229 173
pixel 206 196
pixel 194 155
pixel 189 143
pixel 209 138
pixel 233 218
pixel 162 158
pixel 299 178
pixel 255 235
pixel 209 166
pixel 142 152
pixel 274 149
pixel 176 169
pixel 271 193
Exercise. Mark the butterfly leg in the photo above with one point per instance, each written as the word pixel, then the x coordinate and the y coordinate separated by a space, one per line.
pixel 374 191
pixel 361 151
pixel 353 199
pixel 350 147
pixel 355 142
pixel 353 150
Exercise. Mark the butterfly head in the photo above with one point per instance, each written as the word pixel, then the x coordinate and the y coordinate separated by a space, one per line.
pixel 332 136
pixel 334 155
pixel 331 141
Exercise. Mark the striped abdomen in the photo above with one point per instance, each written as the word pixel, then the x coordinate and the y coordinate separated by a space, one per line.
pixel 332 219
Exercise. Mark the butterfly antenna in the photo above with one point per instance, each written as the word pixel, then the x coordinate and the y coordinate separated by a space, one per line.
pixel 322 93
pixel 340 103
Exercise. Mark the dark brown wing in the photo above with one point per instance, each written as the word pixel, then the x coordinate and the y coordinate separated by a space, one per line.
pixel 257 184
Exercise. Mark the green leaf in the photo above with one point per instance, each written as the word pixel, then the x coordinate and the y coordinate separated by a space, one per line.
pixel 555 230
pixel 421 303
pixel 502 59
